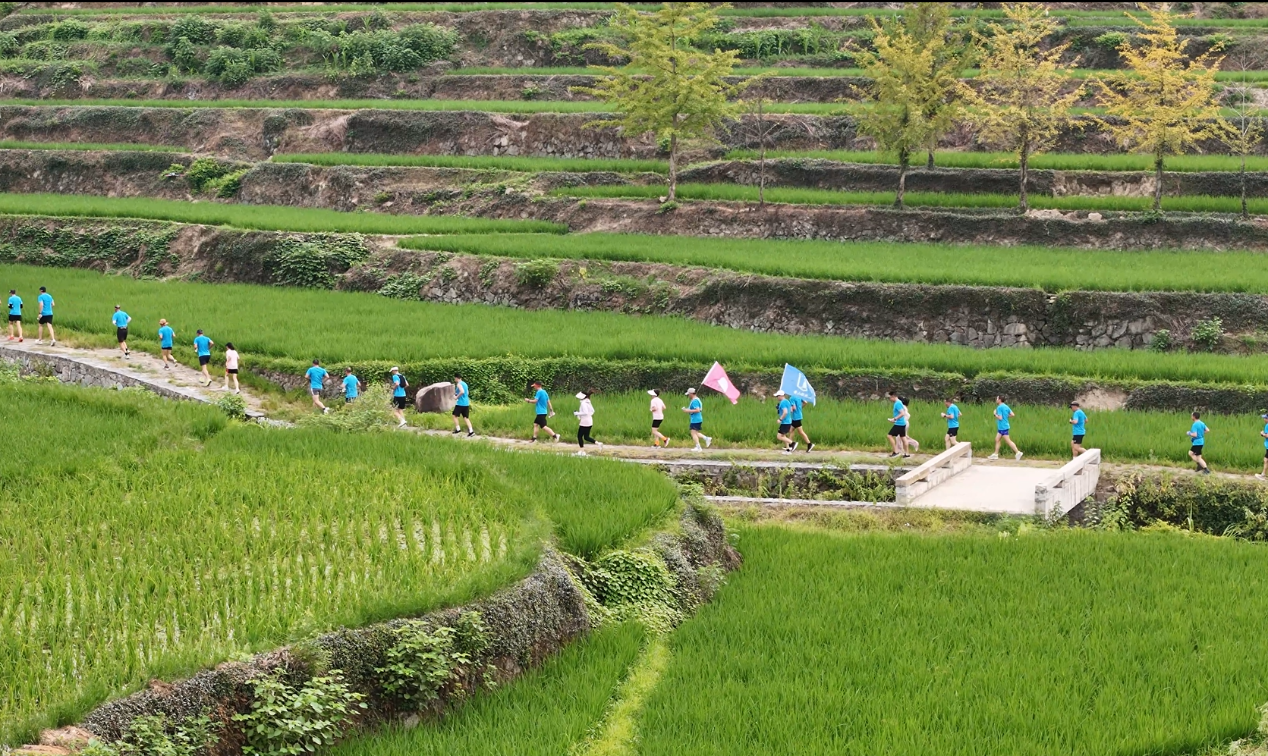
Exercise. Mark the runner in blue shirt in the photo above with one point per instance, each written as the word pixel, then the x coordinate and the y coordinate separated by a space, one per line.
pixel 952 414
pixel 45 301
pixel 798 404
pixel 784 411
pixel 121 320
pixel 1003 414
pixel 695 413
pixel 351 386
pixel 461 405
pixel 1264 433
pixel 15 315
pixel 544 409
pixel 399 399
pixel 166 338
pixel 316 376
pixel 898 429
pixel 202 345
pixel 1197 437
pixel 1078 427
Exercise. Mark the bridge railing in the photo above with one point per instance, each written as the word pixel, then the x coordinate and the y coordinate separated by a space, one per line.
pixel 1065 488
pixel 919 481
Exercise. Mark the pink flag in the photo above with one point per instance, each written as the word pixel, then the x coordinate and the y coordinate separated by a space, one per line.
pixel 717 380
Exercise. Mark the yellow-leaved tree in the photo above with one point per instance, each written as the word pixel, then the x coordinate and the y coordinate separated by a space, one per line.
pixel 1165 103
pixel 1016 101
pixel 907 109
pixel 669 87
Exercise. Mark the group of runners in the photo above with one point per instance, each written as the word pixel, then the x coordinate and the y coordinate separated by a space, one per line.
pixel 789 409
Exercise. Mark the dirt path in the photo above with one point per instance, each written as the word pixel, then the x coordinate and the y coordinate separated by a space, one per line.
pixel 140 367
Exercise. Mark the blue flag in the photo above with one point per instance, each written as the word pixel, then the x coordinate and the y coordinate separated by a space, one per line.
pixel 796 386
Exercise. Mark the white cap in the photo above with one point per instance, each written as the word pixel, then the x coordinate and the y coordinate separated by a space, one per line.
pixel 691 391
pixel 652 392
pixel 581 395
pixel 395 369
pixel 780 393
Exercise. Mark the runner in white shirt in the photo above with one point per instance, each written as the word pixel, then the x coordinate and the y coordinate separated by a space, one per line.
pixel 231 368
pixel 658 416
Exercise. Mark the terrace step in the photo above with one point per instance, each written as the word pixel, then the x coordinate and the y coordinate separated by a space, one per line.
pixel 106 368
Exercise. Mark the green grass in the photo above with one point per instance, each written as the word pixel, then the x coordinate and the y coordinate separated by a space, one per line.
pixel 1030 645
pixel 1049 268
pixel 1040 431
pixel 258 217
pixel 353 326
pixel 544 713
pixel 797 196
pixel 150 538
pixel 12 144
pixel 218 10
pixel 1052 161
pixel 502 163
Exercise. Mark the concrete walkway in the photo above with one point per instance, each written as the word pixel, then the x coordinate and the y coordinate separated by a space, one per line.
pixel 988 488
pixel 107 368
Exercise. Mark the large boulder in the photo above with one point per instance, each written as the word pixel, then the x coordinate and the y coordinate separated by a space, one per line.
pixel 437 397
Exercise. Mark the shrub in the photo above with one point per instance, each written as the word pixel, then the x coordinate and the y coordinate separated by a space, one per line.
pixel 8 45
pixel 1111 40
pixel 156 735
pixel 184 55
pixel 69 31
pixel 1161 340
pixel 1208 333
pixel 233 405
pixel 404 286
pixel 536 273
pixel 312 264
pixel 287 721
pixel 371 411
pixel 424 660
pixel 194 28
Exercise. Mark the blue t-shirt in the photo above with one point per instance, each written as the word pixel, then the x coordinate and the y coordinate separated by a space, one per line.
pixel 46 303
pixel 397 388
pixel 1003 411
pixel 1266 437
pixel 1199 433
pixel 542 399
pixel 15 305
pixel 1080 422
pixel 953 416
pixel 784 406
pixel 797 405
pixel 696 408
pixel 120 319
pixel 166 334
pixel 898 411
pixel 463 394
pixel 316 374
pixel 350 386
pixel 203 345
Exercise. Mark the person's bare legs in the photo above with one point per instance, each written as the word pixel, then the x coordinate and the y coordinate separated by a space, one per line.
pixel 1201 463
pixel 52 337
pixel 317 401
pixel 1076 448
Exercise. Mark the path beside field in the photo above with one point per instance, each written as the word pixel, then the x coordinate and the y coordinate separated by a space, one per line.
pixel 108 367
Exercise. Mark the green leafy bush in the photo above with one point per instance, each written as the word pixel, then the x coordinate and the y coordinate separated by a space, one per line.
pixel 230 65
pixel 424 660
pixel 184 55
pixel 233 405
pixel 404 286
pixel 1207 334
pixel 195 28
pixel 287 721
pixel 1161 341
pixel 9 45
pixel 536 273
pixel 69 30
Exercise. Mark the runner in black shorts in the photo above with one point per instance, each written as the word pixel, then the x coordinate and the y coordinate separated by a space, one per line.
pixel 121 320
pixel 15 315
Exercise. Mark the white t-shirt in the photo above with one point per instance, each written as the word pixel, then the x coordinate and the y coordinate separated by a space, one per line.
pixel 658 408
pixel 231 359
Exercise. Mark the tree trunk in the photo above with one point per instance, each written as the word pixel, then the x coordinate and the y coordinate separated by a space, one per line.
pixel 1158 158
pixel 904 160
pixel 930 163
pixel 1245 212
pixel 673 168
pixel 1023 203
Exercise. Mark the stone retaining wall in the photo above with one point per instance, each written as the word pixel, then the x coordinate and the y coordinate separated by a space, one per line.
pixel 260 132
pixel 68 370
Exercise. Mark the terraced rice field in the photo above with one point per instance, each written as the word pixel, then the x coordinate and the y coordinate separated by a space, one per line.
pixel 1050 643
pixel 345 326
pixel 1048 268
pixel 146 538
